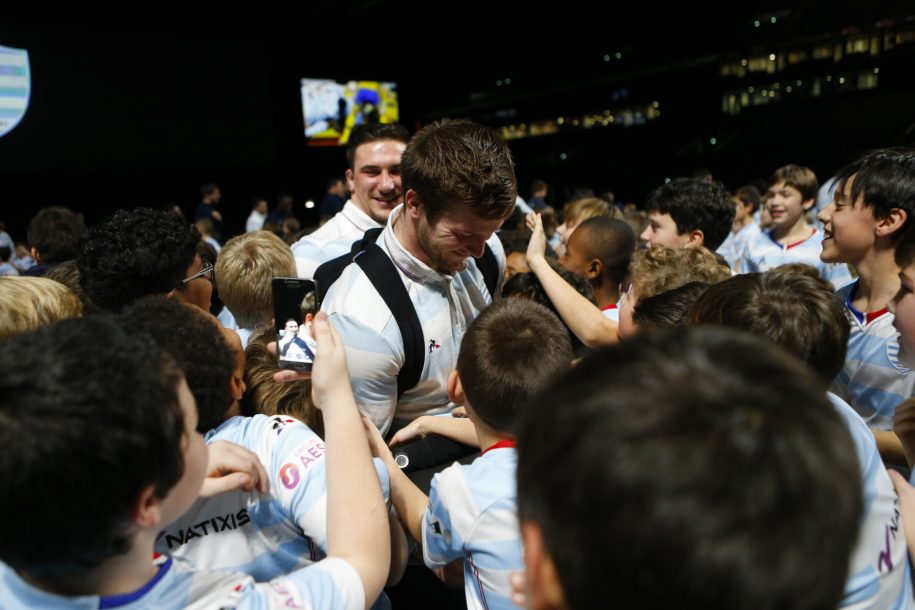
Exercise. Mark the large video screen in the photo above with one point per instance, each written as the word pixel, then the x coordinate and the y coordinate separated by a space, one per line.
pixel 332 109
pixel 15 86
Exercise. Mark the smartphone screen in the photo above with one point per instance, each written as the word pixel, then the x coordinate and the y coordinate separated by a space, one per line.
pixel 294 309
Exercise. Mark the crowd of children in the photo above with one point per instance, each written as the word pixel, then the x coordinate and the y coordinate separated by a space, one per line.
pixel 711 407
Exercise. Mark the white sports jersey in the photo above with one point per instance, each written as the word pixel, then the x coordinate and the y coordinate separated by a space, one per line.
pixel 879 570
pixel 763 253
pixel 872 379
pixel 473 515
pixel 334 238
pixel 735 243
pixel 445 304
pixel 227 320
pixel 262 535
pixel 330 584
pixel 612 312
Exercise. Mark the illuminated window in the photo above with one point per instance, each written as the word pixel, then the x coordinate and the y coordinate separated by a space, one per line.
pixel 889 41
pixel 906 37
pixel 758 64
pixel 857 44
pixel 797 57
pixel 867 80
pixel 822 52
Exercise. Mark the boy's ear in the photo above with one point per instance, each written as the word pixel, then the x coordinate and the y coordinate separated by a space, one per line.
pixel 237 387
pixel 146 510
pixel 544 591
pixel 455 389
pixel 695 238
pixel 892 222
pixel 808 204
pixel 595 268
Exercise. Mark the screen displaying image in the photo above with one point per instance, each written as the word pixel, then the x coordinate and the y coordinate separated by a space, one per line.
pixel 294 309
pixel 332 109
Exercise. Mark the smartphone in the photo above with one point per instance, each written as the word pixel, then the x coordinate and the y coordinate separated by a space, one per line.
pixel 294 309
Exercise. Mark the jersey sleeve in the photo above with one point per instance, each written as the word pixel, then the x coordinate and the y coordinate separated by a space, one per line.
pixel 298 478
pixel 331 584
pixel 448 518
pixel 373 363
pixel 308 257
pixel 745 262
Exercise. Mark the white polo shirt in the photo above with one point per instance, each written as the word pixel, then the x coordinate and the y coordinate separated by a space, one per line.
pixel 334 238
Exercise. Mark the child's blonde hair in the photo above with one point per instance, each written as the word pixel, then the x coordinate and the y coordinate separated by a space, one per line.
pixel 661 268
pixel 580 210
pixel 244 270
pixel 27 303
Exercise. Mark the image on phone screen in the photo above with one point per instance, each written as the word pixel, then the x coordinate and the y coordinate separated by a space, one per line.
pixel 294 309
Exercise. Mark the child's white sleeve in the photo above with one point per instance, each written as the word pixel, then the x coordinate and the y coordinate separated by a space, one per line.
pixel 449 518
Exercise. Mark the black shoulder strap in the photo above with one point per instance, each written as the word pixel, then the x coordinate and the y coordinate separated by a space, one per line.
pixel 386 280
pixel 489 267
pixel 329 271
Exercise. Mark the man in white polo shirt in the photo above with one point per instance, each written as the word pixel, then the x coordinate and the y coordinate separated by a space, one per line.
pixel 373 178
pixel 459 187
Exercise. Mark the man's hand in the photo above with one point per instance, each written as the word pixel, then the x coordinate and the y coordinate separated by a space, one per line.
pixel 232 467
pixel 536 247
pixel 416 429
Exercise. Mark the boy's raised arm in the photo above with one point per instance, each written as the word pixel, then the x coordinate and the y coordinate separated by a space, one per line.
pixel 580 315
pixel 409 501
pixel 357 518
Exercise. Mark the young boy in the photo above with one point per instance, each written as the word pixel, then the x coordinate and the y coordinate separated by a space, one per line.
pixel 687 212
pixel 746 202
pixel 118 494
pixel 244 272
pixel 874 203
pixel 599 249
pixel 139 252
pixel 801 314
pixel 506 356
pixel 792 193
pixel 661 269
pixel 688 469
pixel 574 213
pixel 262 534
